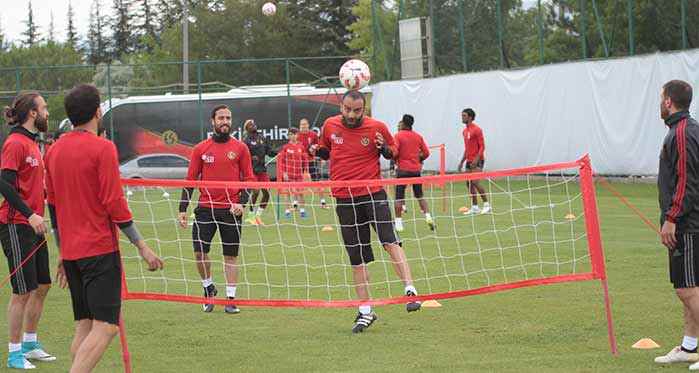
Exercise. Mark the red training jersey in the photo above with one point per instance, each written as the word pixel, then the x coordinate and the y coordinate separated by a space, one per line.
pixel 409 146
pixel 474 144
pixel 306 139
pixel 21 154
pixel 220 161
pixel 353 153
pixel 84 185
pixel 293 161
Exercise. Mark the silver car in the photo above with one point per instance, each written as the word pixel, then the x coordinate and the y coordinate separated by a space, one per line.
pixel 155 166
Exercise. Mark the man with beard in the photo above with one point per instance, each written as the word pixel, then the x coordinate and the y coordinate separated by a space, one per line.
pixel 259 149
pixel 353 144
pixel 86 197
pixel 678 190
pixel 220 158
pixel 22 228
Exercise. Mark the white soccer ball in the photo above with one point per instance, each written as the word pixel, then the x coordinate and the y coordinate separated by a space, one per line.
pixel 355 74
pixel 166 195
pixel 269 9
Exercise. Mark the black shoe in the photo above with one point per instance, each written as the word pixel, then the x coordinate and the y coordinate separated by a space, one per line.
pixel 230 308
pixel 363 321
pixel 209 292
pixel 412 306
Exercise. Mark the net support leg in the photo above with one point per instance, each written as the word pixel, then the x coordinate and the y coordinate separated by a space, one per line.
pixel 610 323
pixel 124 346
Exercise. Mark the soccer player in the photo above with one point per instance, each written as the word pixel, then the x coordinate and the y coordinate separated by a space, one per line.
pixel 411 151
pixel 259 149
pixel 22 227
pixel 353 143
pixel 220 158
pixel 474 156
pixel 308 138
pixel 293 165
pixel 86 204
pixel 678 190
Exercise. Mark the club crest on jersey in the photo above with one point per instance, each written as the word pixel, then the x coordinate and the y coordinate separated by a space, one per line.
pixel 207 158
pixel 232 155
pixel 365 141
pixel 336 139
pixel 33 162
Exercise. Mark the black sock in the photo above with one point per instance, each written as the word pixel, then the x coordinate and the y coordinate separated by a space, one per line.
pixel 689 351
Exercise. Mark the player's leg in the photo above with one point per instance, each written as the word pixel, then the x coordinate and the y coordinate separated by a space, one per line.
pixel 81 312
pixel 82 330
pixel 400 202
pixel 381 221
pixel 23 284
pixel 203 231
pixel 356 236
pixel 481 190
pixel 101 277
pixel 420 196
pixel 682 265
pixel 31 347
pixel 251 214
pixel 230 229
pixel 301 201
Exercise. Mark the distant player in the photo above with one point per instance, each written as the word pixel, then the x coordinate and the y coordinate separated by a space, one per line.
pixel 354 143
pixel 411 151
pixel 220 158
pixel 87 204
pixel 22 227
pixel 308 138
pixel 293 165
pixel 474 156
pixel 259 149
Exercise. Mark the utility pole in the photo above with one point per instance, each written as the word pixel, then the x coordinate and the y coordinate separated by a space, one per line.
pixel 185 47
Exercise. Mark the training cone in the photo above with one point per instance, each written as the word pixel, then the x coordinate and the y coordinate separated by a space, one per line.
pixel 431 304
pixel 463 209
pixel 327 228
pixel 570 217
pixel 645 344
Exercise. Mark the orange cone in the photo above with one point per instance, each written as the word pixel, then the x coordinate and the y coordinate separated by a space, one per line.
pixel 645 344
pixel 327 228
pixel 570 217
pixel 431 304
pixel 463 209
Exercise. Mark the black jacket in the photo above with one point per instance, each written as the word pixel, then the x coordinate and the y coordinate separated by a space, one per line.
pixel 259 148
pixel 678 173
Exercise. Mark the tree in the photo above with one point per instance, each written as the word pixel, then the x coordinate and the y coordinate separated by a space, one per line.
pixel 2 38
pixel 146 30
pixel 363 36
pixel 71 33
pixel 97 44
pixel 31 34
pixel 51 38
pixel 122 33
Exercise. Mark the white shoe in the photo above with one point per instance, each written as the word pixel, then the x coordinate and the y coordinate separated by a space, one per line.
pixel 40 355
pixel 676 355
pixel 486 208
pixel 399 226
pixel 473 210
pixel 694 366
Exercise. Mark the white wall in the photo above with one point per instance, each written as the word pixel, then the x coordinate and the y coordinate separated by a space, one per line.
pixel 547 114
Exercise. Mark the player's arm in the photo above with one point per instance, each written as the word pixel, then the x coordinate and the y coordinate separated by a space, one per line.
pixel 247 174
pixel 480 143
pixel 322 149
pixel 193 173
pixel 111 197
pixel 385 143
pixel 424 150
pixel 12 157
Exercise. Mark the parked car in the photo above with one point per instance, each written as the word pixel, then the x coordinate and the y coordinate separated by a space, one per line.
pixel 155 166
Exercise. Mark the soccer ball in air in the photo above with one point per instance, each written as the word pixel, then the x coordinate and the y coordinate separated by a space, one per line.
pixel 354 74
pixel 269 9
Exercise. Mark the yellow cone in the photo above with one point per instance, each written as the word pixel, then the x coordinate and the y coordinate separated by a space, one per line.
pixel 463 209
pixel 431 304
pixel 570 217
pixel 327 228
pixel 645 344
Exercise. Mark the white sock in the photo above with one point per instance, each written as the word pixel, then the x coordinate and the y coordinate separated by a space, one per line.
pixel 689 343
pixel 410 288
pixel 260 210
pixel 428 216
pixel 29 337
pixel 295 203
pixel 486 204
pixel 14 347
pixel 322 201
pixel 230 291
pixel 399 220
pixel 365 310
pixel 302 210
pixel 287 211
pixel 206 282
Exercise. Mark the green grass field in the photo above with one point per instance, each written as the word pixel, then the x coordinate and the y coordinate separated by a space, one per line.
pixel 547 328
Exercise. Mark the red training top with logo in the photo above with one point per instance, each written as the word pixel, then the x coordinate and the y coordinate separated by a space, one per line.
pixel 306 139
pixel 409 146
pixel 474 144
pixel 84 185
pixel 292 159
pixel 353 153
pixel 22 155
pixel 220 161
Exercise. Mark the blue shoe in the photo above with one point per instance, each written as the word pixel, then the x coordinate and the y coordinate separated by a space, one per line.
pixel 303 214
pixel 35 351
pixel 16 360
pixel 287 214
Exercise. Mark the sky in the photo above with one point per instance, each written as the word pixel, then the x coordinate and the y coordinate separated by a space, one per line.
pixel 13 14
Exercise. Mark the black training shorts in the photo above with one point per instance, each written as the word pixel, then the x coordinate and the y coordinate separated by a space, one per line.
pixel 400 189
pixel 207 221
pixel 18 241
pixel 95 287
pixel 684 262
